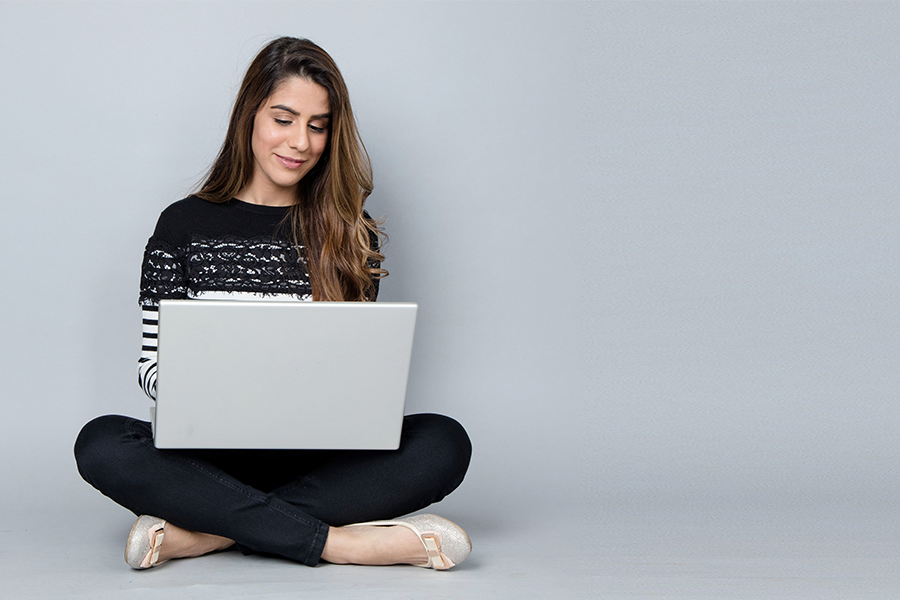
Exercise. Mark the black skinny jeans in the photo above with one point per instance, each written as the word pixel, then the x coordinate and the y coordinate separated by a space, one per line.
pixel 273 501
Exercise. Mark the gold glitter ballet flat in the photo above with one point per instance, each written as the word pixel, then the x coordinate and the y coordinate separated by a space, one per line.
pixel 446 544
pixel 144 542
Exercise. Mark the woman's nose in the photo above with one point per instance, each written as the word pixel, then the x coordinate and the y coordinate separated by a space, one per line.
pixel 300 140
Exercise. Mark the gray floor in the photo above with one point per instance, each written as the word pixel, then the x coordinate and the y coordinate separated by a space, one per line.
pixel 765 552
pixel 78 554
pixel 674 550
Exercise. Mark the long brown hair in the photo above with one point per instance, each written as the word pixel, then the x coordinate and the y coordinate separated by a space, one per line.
pixel 328 215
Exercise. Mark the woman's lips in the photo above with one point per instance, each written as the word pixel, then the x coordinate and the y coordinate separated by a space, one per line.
pixel 290 163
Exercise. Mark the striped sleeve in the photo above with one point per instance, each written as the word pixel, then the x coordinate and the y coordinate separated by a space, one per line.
pixel 147 361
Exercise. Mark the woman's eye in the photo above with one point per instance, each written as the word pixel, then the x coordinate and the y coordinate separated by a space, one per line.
pixel 282 122
pixel 317 129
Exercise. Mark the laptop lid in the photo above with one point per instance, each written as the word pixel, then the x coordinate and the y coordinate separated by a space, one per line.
pixel 299 375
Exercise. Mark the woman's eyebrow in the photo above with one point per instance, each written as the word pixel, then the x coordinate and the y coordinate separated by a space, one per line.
pixel 287 108
pixel 296 114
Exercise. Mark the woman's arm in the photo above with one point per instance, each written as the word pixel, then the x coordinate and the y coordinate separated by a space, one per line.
pixel 147 361
pixel 162 277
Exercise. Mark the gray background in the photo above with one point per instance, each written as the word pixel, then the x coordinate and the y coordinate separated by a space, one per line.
pixel 654 247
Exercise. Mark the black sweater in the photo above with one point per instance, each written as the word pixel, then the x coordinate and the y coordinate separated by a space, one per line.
pixel 233 250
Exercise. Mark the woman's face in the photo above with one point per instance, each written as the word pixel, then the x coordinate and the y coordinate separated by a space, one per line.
pixel 290 132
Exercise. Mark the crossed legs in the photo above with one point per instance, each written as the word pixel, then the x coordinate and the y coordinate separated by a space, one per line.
pixel 278 502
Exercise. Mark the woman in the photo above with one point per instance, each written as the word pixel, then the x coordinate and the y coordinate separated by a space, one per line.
pixel 279 217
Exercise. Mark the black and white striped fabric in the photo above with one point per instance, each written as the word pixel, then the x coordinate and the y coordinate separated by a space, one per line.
pixel 147 361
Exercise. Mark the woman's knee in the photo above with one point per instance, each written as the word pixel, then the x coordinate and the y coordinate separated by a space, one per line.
pixel 96 445
pixel 447 442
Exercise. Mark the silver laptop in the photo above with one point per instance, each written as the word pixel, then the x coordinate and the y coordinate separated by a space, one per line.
pixel 299 375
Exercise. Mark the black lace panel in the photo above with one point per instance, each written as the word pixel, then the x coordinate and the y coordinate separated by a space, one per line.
pixel 232 264
pixel 226 264
pixel 162 275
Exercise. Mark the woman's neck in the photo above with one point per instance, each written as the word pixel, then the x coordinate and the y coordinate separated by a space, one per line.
pixel 267 195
